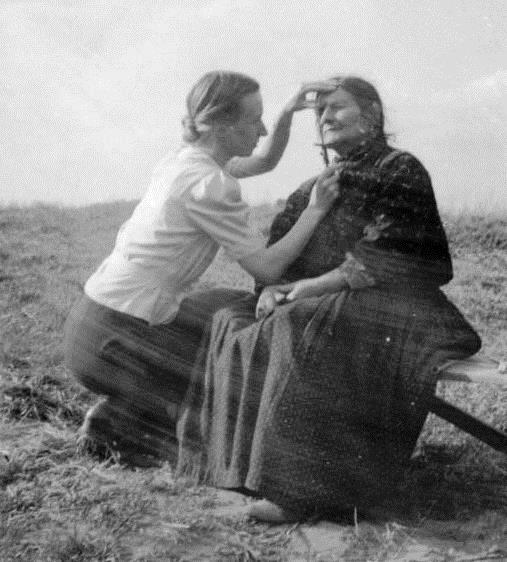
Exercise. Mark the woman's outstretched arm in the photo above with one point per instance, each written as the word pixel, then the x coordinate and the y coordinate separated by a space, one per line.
pixel 268 156
pixel 268 264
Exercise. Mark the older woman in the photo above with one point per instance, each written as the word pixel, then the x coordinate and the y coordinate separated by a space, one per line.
pixel 133 335
pixel 317 404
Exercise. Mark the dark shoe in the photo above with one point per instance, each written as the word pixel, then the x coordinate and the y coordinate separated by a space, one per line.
pixel 98 425
pixel 112 429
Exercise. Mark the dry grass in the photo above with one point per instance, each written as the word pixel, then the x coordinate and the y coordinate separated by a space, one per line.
pixel 59 504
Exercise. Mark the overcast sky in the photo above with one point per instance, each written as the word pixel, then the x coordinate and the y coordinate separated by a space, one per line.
pixel 92 92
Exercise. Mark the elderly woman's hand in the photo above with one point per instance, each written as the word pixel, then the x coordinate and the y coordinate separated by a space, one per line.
pixel 274 295
pixel 268 300
pixel 303 101
pixel 303 289
pixel 331 282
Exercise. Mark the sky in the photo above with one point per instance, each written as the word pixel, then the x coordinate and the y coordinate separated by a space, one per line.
pixel 92 92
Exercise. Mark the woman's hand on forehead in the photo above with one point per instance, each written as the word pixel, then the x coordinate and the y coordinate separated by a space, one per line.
pixel 308 93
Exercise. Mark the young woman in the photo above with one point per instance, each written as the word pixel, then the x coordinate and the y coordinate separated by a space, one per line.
pixel 317 404
pixel 130 337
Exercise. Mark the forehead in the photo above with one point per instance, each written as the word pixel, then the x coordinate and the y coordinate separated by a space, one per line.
pixel 339 96
pixel 251 104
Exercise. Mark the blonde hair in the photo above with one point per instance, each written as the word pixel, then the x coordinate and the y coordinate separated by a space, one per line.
pixel 215 97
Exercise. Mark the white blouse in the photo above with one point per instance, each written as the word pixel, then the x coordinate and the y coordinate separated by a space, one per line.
pixel 191 209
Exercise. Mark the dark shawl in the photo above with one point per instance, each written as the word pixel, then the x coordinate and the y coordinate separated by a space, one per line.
pixel 387 218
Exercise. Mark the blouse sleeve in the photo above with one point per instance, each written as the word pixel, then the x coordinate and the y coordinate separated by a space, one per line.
pixel 215 206
pixel 404 240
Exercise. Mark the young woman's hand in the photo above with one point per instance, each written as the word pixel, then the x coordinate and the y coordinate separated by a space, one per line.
pixel 326 189
pixel 301 100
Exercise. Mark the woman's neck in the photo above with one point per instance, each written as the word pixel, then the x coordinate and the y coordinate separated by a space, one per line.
pixel 214 150
pixel 346 151
pixel 343 150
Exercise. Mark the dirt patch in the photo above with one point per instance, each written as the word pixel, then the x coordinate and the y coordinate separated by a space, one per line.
pixel 102 511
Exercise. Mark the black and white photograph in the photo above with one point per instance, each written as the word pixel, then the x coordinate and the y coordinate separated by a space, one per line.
pixel 253 281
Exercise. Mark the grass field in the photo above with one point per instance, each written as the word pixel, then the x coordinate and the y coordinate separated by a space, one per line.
pixel 57 503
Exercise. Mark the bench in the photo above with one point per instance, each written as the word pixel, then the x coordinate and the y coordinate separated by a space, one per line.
pixel 474 370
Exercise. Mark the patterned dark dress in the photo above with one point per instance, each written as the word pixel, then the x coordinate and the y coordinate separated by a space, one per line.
pixel 318 407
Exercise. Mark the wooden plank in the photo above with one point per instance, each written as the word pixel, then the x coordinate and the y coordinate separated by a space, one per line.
pixel 478 370
pixel 489 435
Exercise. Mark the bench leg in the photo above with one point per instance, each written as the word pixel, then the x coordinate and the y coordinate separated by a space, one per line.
pixel 489 435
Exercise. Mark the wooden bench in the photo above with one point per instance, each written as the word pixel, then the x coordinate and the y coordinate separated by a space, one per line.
pixel 475 370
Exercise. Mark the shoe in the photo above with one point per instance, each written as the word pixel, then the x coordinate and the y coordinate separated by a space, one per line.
pixel 98 424
pixel 269 512
pixel 112 429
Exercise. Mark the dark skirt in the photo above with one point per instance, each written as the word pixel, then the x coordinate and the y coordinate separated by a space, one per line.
pixel 144 367
pixel 319 406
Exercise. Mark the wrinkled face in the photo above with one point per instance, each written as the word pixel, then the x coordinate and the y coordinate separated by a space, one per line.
pixel 340 120
pixel 243 135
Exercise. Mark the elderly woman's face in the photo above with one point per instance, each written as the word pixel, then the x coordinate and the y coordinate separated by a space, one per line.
pixel 340 120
